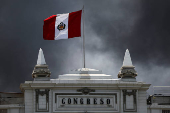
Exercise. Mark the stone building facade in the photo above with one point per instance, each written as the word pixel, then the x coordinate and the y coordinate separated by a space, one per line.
pixel 83 90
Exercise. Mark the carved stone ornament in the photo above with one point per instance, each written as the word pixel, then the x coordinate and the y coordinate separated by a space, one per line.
pixel 38 92
pixel 42 93
pixel 41 71
pixel 85 90
pixel 127 72
pixel 133 92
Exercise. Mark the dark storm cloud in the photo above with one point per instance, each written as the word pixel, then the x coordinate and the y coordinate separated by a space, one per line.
pixel 154 30
pixel 143 27
pixel 111 26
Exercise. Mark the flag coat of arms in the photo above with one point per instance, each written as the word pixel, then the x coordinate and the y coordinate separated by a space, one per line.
pixel 62 26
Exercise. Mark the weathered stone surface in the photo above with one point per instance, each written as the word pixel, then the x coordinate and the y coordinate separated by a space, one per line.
pixel 127 72
pixel 41 71
pixel 11 98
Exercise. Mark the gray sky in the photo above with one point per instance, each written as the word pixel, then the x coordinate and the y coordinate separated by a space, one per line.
pixel 111 26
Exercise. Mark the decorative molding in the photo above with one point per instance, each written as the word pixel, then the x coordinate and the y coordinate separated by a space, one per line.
pixel 41 93
pixel 133 92
pixel 85 90
pixel 127 72
pixel 41 71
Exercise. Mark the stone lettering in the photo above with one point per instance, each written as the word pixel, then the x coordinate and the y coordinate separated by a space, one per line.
pixel 88 101
pixel 75 100
pixel 81 101
pixel 101 101
pixel 108 101
pixel 95 101
pixel 63 101
pixel 69 100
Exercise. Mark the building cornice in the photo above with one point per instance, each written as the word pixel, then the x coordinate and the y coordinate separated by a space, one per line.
pixel 111 84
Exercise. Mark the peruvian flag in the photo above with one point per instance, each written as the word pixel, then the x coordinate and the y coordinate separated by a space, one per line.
pixel 62 26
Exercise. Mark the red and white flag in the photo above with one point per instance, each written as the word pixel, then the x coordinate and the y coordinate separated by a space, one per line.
pixel 62 26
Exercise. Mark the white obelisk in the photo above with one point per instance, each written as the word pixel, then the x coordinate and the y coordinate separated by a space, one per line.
pixel 127 59
pixel 41 59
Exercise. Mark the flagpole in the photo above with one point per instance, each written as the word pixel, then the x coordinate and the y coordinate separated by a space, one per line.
pixel 83 40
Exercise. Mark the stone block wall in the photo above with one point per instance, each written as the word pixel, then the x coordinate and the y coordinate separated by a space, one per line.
pixel 142 103
pixel 29 101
